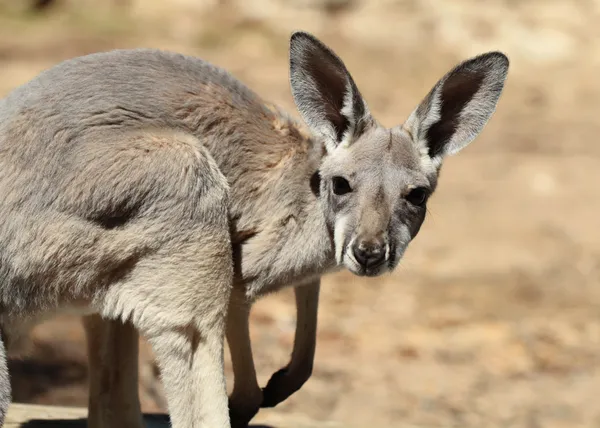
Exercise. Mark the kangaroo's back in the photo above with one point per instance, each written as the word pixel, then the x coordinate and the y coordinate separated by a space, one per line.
pixel 117 89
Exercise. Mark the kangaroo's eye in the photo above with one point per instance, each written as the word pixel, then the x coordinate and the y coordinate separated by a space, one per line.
pixel 341 186
pixel 418 196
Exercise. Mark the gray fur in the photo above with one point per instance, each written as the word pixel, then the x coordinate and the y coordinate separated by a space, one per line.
pixel 156 189
pixel 5 394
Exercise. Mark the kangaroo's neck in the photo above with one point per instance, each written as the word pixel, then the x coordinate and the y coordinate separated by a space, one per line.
pixel 278 227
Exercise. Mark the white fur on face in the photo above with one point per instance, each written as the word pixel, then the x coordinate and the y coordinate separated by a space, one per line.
pixel 339 233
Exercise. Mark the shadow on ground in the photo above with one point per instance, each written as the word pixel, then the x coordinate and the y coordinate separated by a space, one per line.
pixel 152 421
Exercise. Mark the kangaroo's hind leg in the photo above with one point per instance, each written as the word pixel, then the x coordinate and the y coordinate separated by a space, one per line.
pixel 113 371
pixel 179 304
pixel 176 285
pixel 5 396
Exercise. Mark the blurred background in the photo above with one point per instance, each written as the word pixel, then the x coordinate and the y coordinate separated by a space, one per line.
pixel 493 317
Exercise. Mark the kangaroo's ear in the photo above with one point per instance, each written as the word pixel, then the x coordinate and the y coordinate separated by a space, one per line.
pixel 458 106
pixel 325 93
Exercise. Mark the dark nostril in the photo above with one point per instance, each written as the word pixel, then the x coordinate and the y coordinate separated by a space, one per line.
pixel 369 255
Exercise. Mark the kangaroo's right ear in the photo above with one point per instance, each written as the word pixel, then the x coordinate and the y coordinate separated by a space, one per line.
pixel 458 106
pixel 325 93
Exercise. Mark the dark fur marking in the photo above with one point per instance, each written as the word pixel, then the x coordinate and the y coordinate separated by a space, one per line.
pixel 116 217
pixel 240 237
pixel 315 183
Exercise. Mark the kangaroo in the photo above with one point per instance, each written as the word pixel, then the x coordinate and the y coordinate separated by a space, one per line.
pixel 153 193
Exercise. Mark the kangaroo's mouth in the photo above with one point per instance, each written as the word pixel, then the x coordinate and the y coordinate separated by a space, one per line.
pixel 373 271
pixel 360 270
pixel 370 271
pixel 394 254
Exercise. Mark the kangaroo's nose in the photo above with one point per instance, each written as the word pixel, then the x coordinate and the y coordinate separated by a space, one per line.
pixel 369 254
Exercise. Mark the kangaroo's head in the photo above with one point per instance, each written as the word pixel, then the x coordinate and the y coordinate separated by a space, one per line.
pixel 374 182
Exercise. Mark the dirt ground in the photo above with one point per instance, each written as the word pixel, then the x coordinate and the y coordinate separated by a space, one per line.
pixel 493 317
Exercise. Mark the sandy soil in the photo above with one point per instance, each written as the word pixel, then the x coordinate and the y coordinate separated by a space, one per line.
pixel 492 319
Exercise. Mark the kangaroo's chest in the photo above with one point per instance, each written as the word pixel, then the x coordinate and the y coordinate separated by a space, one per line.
pixel 280 249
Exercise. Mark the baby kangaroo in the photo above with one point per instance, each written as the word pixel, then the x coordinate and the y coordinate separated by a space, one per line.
pixel 153 192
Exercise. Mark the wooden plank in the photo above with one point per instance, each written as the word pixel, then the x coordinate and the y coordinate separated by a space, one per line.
pixel 36 416
pixel 27 416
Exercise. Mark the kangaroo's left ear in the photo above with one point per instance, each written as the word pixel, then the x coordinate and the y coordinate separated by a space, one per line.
pixel 458 106
pixel 325 93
